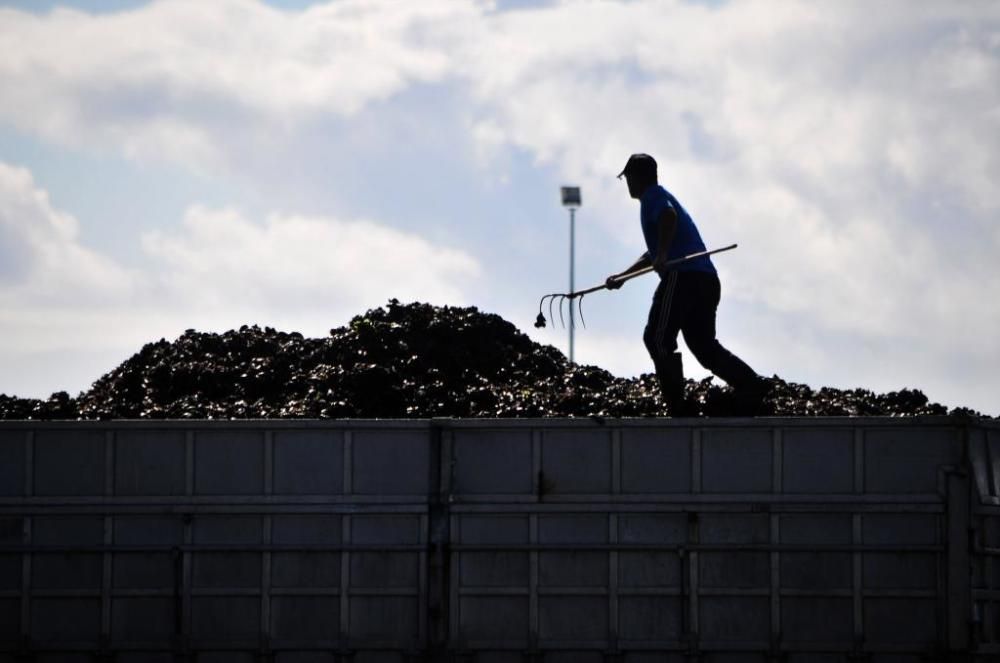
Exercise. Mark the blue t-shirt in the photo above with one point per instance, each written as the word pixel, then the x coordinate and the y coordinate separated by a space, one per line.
pixel 686 240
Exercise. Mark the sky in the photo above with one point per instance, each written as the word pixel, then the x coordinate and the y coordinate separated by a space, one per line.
pixel 182 164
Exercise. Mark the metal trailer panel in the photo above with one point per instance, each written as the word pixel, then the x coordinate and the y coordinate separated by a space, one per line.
pixel 492 540
pixel 734 581
pixel 984 451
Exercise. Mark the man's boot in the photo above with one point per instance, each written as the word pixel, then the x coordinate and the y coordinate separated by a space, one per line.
pixel 749 397
pixel 670 373
pixel 749 389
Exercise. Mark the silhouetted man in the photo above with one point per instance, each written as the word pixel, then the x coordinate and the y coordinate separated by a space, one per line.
pixel 686 297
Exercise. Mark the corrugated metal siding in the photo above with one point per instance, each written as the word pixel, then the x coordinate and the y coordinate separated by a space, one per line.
pixel 481 540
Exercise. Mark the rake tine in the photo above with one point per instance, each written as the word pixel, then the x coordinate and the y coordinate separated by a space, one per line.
pixel 579 307
pixel 552 300
pixel 540 320
pixel 562 320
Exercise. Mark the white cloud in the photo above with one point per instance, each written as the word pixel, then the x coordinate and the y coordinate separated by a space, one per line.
pixel 853 154
pixel 853 151
pixel 216 270
pixel 178 78
pixel 218 258
pixel 42 261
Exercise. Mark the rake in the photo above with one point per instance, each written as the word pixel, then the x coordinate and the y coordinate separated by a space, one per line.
pixel 569 297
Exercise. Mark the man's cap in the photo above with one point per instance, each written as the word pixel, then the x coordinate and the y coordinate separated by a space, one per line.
pixel 639 164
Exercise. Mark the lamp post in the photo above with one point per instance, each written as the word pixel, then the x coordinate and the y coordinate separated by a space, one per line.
pixel 571 200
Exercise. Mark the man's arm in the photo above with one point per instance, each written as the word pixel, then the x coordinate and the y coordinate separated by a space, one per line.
pixel 667 229
pixel 612 282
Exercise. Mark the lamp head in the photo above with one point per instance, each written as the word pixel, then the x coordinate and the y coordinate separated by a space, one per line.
pixel 571 196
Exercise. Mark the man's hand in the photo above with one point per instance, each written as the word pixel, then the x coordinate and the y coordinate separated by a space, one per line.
pixel 660 264
pixel 668 226
pixel 616 281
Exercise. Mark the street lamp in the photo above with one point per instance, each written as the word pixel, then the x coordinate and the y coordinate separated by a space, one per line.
pixel 571 200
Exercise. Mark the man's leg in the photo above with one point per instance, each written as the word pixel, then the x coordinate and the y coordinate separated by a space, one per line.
pixel 660 337
pixel 699 335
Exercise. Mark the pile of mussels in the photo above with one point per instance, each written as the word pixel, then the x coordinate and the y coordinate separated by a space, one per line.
pixel 413 360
